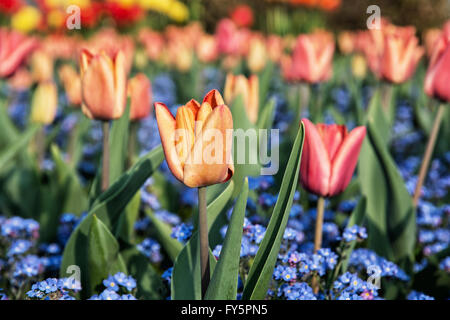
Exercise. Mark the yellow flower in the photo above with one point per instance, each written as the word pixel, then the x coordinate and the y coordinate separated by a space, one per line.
pixel 44 103
pixel 26 19
pixel 156 5
pixel 359 66
pixel 55 18
pixel 178 11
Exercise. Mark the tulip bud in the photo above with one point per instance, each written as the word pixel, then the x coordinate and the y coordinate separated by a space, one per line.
pixel 103 85
pixel 257 56
pixel 140 91
pixel 72 84
pixel 329 157
pixel 44 103
pixel 359 66
pixel 41 66
pixel 197 142
pixel 248 88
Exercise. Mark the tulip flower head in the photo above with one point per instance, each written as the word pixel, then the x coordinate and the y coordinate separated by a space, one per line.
pixel 140 92
pixel 103 85
pixel 437 79
pixel 197 142
pixel 313 57
pixel 248 88
pixel 14 49
pixel 329 157
pixel 72 84
pixel 44 103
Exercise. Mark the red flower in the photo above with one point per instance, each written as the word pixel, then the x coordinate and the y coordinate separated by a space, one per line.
pixel 10 6
pixel 243 16
pixel 329 157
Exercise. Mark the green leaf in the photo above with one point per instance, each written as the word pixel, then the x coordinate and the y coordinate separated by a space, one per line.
pixel 262 269
pixel 223 285
pixel 72 197
pixel 149 284
pixel 163 231
pixel 103 255
pixel 265 118
pixel 108 208
pixel 11 151
pixel 125 226
pixel 185 282
pixel 390 213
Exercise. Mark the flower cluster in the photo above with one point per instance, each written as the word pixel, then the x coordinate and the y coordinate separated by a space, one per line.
pixel 117 287
pixel 54 289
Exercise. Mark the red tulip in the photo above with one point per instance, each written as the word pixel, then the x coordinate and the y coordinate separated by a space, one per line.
pixel 187 138
pixel 103 85
pixel 140 91
pixel 313 57
pixel 437 79
pixel 14 49
pixel 329 157
pixel 243 16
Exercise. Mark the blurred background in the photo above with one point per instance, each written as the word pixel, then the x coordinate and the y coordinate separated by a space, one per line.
pixel 271 16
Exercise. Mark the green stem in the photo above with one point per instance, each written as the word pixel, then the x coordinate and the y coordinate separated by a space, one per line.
pixel 428 153
pixel 40 145
pixel 105 159
pixel 132 139
pixel 318 237
pixel 203 233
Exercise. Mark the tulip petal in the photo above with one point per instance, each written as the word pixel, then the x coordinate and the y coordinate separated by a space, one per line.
pixel 204 168
pixel 315 168
pixel 214 98
pixel 442 76
pixel 166 126
pixel 120 84
pixel 345 161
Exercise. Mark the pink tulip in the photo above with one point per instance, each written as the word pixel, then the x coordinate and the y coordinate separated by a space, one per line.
pixel 313 56
pixel 438 74
pixel 14 49
pixel 329 157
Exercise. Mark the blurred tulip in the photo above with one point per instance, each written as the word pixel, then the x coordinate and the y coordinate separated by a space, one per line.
pixel 206 49
pixel 14 49
pixel 189 136
pixel 26 19
pixel 274 46
pixel 400 57
pixel 41 66
pixel 257 56
pixel 153 43
pixel 21 80
pixel 429 38
pixel 103 85
pixel 313 57
pixel 248 88
pixel 44 103
pixel 346 42
pixel 242 16
pixel 140 92
pixel 181 57
pixel 227 36
pixel 10 6
pixel 437 79
pixel 329 157
pixel 359 66
pixel 72 84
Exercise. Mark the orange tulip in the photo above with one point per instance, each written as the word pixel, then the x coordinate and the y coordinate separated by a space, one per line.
pixel 248 88
pixel 72 84
pixel 346 42
pixel 313 56
pixel 41 66
pixel 197 142
pixel 44 103
pixel 103 85
pixel 140 91
pixel 206 49
pixel 14 49
pixel 329 157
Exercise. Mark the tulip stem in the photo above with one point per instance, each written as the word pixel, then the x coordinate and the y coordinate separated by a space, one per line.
pixel 105 159
pixel 318 237
pixel 40 145
pixel 204 245
pixel 428 153
pixel 132 137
